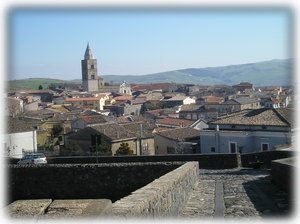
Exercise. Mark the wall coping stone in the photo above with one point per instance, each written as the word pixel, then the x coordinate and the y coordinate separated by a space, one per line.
pixel 164 196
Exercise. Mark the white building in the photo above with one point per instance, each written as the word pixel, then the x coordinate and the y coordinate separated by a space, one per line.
pixel 125 88
pixel 20 138
pixel 248 131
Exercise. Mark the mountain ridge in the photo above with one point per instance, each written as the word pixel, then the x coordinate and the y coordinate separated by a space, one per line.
pixel 265 73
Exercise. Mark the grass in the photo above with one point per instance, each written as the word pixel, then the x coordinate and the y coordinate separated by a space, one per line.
pixel 33 84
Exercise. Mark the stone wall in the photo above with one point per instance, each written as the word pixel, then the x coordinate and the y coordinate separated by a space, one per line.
pixel 82 181
pixel 163 197
pixel 264 158
pixel 282 172
pixel 206 161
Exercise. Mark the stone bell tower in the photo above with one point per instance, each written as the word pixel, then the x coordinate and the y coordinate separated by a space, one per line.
pixel 90 79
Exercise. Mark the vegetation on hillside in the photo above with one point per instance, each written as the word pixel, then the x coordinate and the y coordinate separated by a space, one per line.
pixel 34 84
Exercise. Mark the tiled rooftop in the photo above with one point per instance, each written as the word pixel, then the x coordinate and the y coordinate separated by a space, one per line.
pixel 83 99
pixel 15 125
pixel 180 134
pixel 267 117
pixel 175 122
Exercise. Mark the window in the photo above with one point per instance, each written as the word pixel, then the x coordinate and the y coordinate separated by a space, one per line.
pixel 92 67
pixel 232 147
pixel 213 149
pixel 233 126
pixel 264 147
pixel 93 77
pixel 145 149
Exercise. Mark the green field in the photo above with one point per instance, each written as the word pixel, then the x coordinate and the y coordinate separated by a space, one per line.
pixel 26 84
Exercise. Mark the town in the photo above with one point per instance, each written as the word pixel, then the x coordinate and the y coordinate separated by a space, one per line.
pixel 96 118
pixel 179 148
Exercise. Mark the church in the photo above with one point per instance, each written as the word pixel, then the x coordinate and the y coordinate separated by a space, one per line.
pixel 90 79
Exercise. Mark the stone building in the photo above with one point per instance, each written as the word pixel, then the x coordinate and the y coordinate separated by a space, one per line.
pixel 234 105
pixel 138 135
pixel 93 103
pixel 177 141
pixel 90 79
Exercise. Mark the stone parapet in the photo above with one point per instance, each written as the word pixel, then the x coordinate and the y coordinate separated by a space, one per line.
pixel 164 197
pixel 282 172
pixel 81 181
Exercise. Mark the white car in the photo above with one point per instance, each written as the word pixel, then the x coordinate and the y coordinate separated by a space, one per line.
pixel 34 158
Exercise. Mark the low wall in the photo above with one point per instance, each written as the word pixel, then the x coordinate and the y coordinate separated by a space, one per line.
pixel 82 181
pixel 264 158
pixel 161 198
pixel 282 172
pixel 206 161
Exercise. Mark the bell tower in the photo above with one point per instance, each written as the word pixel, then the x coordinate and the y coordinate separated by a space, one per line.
pixel 90 80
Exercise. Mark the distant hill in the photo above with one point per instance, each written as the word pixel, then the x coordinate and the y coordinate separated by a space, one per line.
pixel 33 83
pixel 267 73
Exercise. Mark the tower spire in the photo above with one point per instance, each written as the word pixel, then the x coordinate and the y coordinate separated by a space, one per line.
pixel 88 52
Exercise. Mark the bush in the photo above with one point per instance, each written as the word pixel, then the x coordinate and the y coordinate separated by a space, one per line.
pixel 124 149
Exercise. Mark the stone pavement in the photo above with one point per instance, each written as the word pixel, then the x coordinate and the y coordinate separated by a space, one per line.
pixel 236 193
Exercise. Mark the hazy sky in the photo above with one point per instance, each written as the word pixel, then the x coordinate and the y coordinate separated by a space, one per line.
pixel 50 43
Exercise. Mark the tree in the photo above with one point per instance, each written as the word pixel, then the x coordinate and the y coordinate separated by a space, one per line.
pixel 124 149
pixel 56 130
pixel 40 87
pixel 102 149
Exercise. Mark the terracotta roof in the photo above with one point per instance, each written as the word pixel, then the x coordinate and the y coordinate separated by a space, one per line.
pixel 175 122
pixel 83 99
pixel 158 111
pixel 267 117
pixel 123 98
pixel 274 100
pixel 213 100
pixel 180 134
pixel 151 86
pixel 36 91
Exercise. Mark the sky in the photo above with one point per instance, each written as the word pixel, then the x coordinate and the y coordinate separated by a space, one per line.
pixel 50 42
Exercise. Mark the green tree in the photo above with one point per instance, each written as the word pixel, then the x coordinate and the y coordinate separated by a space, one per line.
pixel 104 148
pixel 57 129
pixel 40 87
pixel 124 149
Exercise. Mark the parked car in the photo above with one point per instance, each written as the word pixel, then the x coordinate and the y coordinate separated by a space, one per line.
pixel 34 158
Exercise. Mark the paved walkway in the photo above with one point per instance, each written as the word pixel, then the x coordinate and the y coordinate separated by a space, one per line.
pixel 236 193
